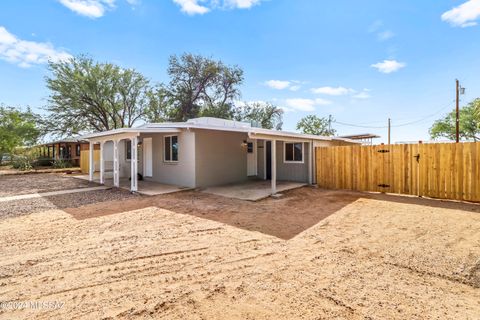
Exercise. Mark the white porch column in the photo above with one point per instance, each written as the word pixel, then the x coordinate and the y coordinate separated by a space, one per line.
pixel 116 165
pixel 274 167
pixel 102 164
pixel 91 163
pixel 134 166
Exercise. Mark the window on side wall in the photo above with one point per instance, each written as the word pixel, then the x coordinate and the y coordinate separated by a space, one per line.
pixel 293 152
pixel 77 150
pixel 128 150
pixel 170 149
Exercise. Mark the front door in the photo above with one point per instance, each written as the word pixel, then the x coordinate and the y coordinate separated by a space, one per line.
pixel 147 157
pixel 251 159
pixel 268 160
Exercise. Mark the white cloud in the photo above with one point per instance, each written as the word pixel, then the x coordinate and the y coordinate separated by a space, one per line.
pixel 240 4
pixel 362 95
pixel 27 53
pixel 277 84
pixel 305 104
pixel 295 87
pixel 89 8
pixel 463 15
pixel 385 35
pixel 388 66
pixel 333 91
pixel 191 7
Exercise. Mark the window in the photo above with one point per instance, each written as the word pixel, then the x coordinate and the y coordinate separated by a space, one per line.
pixel 293 152
pixel 249 147
pixel 128 150
pixel 170 149
pixel 77 150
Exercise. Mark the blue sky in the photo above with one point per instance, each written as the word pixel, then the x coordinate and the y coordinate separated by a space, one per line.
pixel 360 61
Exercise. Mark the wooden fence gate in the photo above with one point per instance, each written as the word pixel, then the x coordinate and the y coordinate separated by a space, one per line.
pixel 444 170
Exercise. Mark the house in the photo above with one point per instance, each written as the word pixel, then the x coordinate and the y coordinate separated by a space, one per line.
pixel 66 149
pixel 364 138
pixel 205 152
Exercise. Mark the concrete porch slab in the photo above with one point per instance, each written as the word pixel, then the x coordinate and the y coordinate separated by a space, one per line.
pixel 148 188
pixel 253 190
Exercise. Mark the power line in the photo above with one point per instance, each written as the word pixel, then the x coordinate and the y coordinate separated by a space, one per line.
pixel 395 126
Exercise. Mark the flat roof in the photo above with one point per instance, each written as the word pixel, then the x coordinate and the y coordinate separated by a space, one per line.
pixel 213 124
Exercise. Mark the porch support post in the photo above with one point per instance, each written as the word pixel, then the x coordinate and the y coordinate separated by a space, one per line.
pixel 134 168
pixel 311 159
pixel 274 167
pixel 102 164
pixel 116 165
pixel 91 163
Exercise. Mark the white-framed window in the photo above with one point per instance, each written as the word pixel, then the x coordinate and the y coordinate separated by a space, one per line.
pixel 170 148
pixel 293 152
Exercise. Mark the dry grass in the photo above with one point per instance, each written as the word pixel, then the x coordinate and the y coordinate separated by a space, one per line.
pixel 313 254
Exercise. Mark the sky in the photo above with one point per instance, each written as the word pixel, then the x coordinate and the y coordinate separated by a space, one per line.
pixel 360 61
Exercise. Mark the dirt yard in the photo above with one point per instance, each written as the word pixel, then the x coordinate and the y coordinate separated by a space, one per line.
pixel 312 254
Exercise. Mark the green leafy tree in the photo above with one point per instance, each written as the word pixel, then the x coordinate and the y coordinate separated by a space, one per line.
pixel 315 125
pixel 264 115
pixel 92 96
pixel 17 129
pixel 469 124
pixel 201 86
pixel 160 106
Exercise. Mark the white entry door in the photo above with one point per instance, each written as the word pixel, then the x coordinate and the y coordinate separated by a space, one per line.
pixel 147 157
pixel 251 158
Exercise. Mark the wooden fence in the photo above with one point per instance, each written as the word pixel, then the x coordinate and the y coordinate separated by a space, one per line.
pixel 446 170
pixel 84 160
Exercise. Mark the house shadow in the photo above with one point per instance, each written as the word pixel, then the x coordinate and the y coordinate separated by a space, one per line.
pixel 286 217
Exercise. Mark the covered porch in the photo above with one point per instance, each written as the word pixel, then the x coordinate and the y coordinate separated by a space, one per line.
pixel 149 188
pixel 120 162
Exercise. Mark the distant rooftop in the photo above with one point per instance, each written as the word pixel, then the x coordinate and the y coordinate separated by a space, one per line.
pixel 361 136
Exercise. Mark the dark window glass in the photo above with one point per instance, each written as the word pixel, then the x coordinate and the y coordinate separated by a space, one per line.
pixel 298 152
pixel 128 149
pixel 250 147
pixel 167 149
pixel 174 148
pixel 289 152
pixel 77 150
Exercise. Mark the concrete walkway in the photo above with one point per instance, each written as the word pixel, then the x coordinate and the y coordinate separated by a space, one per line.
pixel 48 194
pixel 253 190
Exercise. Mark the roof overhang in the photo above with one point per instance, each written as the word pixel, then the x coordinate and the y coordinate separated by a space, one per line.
pixel 125 133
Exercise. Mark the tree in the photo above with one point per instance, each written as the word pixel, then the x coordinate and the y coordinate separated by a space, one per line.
pixel 91 96
pixel 202 86
pixel 314 125
pixel 17 129
pixel 261 114
pixel 469 124
pixel 160 107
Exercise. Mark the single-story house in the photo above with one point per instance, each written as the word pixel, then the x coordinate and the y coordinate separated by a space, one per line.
pixel 205 152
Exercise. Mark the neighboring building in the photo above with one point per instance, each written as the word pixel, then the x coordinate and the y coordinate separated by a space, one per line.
pixel 364 138
pixel 65 149
pixel 205 152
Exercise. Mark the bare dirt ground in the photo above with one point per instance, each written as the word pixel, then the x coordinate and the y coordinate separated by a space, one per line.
pixel 313 254
pixel 39 182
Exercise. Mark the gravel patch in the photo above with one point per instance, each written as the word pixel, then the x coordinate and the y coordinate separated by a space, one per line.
pixel 41 182
pixel 15 208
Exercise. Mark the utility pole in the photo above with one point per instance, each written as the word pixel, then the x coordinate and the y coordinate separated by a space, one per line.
pixel 389 129
pixel 457 111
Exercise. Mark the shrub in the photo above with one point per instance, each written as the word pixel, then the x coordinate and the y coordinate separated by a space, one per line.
pixel 61 164
pixel 23 162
